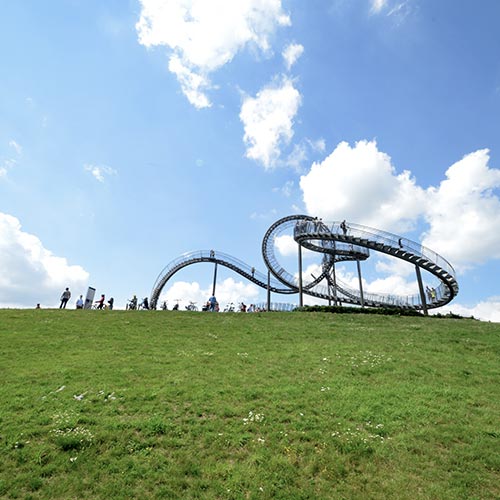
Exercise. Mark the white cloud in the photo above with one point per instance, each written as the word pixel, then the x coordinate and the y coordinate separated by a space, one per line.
pixel 397 11
pixel 268 121
pixel 227 291
pixel 192 84
pixel 17 148
pixel 31 274
pixel 393 266
pixel 270 214
pixel 204 36
pixel 488 310
pixel 318 145
pixel 286 245
pixel 360 184
pixel 291 54
pixel 8 163
pixel 464 213
pixel 286 190
pixel 100 171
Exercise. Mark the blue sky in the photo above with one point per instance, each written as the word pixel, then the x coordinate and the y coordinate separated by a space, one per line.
pixel 134 131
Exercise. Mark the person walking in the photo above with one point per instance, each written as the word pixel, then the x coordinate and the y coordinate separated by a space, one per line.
pixel 66 295
pixel 100 302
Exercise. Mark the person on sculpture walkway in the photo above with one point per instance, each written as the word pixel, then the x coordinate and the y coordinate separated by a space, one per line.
pixel 66 295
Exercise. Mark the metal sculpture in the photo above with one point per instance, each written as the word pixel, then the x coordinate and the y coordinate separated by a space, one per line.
pixel 337 241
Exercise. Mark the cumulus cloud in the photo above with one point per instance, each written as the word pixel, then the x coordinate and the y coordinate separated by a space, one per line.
pixel 268 121
pixel 99 172
pixel 29 273
pixel 229 290
pixel 462 213
pixel 487 310
pixel 204 36
pixel 286 245
pixel 291 54
pixel 360 184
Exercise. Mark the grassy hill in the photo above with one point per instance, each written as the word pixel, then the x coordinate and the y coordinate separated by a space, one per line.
pixel 133 404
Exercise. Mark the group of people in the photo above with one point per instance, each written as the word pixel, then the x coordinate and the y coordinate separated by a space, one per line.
pixel 431 293
pixel 80 304
pixel 133 303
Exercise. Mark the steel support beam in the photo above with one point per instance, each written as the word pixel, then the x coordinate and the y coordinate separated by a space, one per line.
pixel 360 285
pixel 421 289
pixel 301 296
pixel 215 280
pixel 268 291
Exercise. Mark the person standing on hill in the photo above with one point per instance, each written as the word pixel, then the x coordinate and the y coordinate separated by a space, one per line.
pixel 66 295
pixel 79 302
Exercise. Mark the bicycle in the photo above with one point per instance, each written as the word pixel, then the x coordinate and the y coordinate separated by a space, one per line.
pixel 229 308
pixel 191 306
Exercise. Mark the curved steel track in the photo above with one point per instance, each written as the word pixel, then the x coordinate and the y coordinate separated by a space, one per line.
pixel 338 242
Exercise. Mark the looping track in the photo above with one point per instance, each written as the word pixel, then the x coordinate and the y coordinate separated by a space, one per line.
pixel 337 244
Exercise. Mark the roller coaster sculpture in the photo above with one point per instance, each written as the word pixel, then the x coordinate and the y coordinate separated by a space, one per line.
pixel 337 242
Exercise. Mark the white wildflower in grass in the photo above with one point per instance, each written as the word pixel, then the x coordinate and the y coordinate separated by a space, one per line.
pixel 253 417
pixel 68 434
pixel 368 359
pixel 79 397
pixel 213 336
pixel 324 389
pixel 366 434
pixel 208 353
pixel 110 397
pixel 74 438
pixel 243 354
pixel 72 459
pixel 261 440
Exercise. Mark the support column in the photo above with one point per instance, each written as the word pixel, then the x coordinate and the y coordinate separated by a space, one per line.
pixel 215 279
pixel 268 290
pixel 360 284
pixel 421 289
pixel 301 297
pixel 335 298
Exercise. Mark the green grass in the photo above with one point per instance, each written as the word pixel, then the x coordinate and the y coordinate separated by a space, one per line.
pixel 128 404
